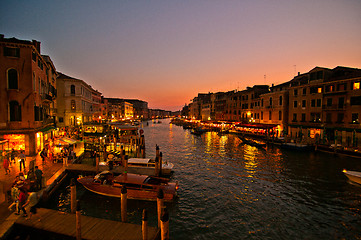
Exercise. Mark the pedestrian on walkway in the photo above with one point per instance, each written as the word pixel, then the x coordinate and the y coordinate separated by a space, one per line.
pixel 22 201
pixel 22 159
pixel 6 165
pixel 12 155
pixel 43 155
pixel 38 178
pixel 32 202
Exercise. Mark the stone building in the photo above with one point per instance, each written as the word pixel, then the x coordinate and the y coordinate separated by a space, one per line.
pixel 76 101
pixel 27 95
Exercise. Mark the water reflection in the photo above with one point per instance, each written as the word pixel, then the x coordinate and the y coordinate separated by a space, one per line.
pixel 234 191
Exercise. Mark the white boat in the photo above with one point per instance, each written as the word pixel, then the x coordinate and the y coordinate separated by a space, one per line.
pixel 147 163
pixel 353 176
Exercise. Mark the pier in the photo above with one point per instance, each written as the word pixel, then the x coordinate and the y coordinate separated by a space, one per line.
pixel 91 228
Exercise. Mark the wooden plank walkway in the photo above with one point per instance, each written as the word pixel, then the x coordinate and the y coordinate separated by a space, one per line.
pixel 91 228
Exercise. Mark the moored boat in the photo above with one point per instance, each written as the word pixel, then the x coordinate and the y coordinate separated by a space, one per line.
pixel 353 176
pixel 252 142
pixel 296 146
pixel 140 187
pixel 147 163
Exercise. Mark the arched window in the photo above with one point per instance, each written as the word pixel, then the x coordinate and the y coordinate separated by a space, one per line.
pixel 15 111
pixel 72 89
pixel 13 79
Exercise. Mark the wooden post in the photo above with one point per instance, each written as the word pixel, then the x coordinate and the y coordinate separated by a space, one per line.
pixel 78 223
pixel 145 225
pixel 164 228
pixel 156 150
pixel 156 167
pixel 124 204
pixel 73 201
pixel 97 163
pixel 126 164
pixel 160 204
pixel 160 162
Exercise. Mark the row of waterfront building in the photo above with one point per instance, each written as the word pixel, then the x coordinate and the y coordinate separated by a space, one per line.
pixel 36 99
pixel 322 104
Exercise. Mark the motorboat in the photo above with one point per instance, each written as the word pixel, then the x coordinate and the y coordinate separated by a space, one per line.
pixel 353 176
pixel 296 146
pixel 147 163
pixel 139 187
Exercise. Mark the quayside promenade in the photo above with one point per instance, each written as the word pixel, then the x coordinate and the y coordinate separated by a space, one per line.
pixel 50 171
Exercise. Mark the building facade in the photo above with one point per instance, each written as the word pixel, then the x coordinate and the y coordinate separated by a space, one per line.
pixel 76 100
pixel 27 95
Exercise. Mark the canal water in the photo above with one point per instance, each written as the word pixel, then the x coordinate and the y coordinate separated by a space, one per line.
pixel 229 190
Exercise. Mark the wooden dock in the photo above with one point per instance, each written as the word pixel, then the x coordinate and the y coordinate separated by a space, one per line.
pixel 91 228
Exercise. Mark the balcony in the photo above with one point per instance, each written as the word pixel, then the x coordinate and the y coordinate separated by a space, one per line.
pixel 333 107
pixel 46 97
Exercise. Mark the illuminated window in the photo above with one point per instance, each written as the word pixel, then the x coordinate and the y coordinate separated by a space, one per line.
pixel 319 90
pixel 73 106
pixel 356 85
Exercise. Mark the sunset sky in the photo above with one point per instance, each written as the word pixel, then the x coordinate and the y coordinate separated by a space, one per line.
pixel 166 52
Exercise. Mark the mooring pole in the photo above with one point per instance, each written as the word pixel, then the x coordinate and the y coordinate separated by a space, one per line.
pixel 145 225
pixel 160 204
pixel 164 229
pixel 78 223
pixel 124 204
pixel 160 162
pixel 73 195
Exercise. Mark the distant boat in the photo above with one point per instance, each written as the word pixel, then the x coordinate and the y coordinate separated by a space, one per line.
pixel 252 142
pixel 296 146
pixel 198 131
pixel 353 176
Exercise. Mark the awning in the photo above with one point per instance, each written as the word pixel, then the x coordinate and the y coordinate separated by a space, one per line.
pixel 46 129
pixel 258 125
pixel 65 141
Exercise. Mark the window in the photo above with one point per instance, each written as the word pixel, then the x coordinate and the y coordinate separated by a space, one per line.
pixel 36 113
pixel 294 117
pixel 329 102
pixel 270 101
pixel 340 117
pixel 355 101
pixel 303 103
pixel 354 118
pixel 319 90
pixel 15 111
pixel 295 104
pixel 33 56
pixel 313 103
pixel 328 117
pixel 61 119
pixel 11 52
pixel 73 106
pixel 295 92
pixel 303 117
pixel 270 115
pixel 318 102
pixel 13 79
pixel 356 86
pixel 261 115
pixel 72 89
pixel 279 115
pixel 304 91
pixel 341 102
pixel 341 87
pixel 280 101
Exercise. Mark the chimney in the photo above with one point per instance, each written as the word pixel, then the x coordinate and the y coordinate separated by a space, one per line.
pixel 36 45
pixel 299 73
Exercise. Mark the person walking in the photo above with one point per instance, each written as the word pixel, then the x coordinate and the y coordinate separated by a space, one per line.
pixel 32 202
pixel 6 165
pixel 22 159
pixel 38 178
pixel 22 200
pixel 43 155
pixel 12 155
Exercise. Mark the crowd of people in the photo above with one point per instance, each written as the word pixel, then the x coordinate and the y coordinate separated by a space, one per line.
pixel 24 193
